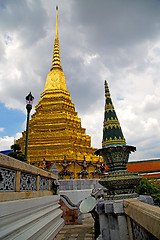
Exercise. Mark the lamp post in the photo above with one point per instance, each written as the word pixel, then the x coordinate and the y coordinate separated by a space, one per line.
pixel 29 102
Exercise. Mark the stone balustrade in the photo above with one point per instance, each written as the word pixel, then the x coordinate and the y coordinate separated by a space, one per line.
pixel 29 208
pixel 143 220
pixel 130 219
pixel 19 180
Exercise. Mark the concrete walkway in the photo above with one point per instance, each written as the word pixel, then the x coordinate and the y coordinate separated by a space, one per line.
pixel 73 232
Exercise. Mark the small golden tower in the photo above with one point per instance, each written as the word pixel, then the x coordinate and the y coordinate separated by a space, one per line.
pixel 55 132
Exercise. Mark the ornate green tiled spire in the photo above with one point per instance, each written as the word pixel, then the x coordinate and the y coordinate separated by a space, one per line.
pixel 112 133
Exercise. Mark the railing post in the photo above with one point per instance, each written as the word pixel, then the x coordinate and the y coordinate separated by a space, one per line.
pixel 18 176
pixel 49 187
pixel 38 178
pixel 129 228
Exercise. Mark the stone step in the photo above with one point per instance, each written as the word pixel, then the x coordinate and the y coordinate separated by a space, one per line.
pixel 43 220
pixel 11 211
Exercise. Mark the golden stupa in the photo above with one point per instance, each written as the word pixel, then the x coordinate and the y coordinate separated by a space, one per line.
pixel 55 132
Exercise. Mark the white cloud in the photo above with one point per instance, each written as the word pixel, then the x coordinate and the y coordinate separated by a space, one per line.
pixel 93 123
pixel 89 58
pixel 1 129
pixel 151 103
pixel 6 142
pixel 153 53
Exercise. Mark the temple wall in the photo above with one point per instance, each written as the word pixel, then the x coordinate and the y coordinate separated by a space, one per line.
pixel 79 184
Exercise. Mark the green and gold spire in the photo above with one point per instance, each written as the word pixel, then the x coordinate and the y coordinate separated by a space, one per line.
pixel 112 133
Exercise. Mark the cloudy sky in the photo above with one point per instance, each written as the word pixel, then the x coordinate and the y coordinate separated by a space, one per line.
pixel 116 40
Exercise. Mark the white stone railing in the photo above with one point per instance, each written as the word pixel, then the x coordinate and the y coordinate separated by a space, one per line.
pixel 143 220
pixel 19 180
pixel 131 219
pixel 29 208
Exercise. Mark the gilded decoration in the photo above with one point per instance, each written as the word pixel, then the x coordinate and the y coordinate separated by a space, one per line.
pixel 55 132
pixel 55 80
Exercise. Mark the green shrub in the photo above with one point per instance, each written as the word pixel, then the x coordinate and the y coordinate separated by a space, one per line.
pixel 17 154
pixel 151 188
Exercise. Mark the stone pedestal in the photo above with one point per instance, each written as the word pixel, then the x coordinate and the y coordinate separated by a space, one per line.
pixel 113 224
pixel 112 218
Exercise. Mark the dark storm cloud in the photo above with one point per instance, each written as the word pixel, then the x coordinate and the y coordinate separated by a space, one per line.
pixel 118 23
pixel 23 30
pixel 116 30
pixel 24 18
pixel 83 83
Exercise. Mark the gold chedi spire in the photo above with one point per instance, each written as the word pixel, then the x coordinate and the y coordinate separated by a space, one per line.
pixel 56 79
pixel 56 62
pixel 55 132
pixel 56 21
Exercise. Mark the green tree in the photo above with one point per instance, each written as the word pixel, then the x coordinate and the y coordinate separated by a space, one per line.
pixel 16 147
pixel 17 153
pixel 150 187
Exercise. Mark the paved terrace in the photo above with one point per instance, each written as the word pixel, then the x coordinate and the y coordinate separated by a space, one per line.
pixel 79 232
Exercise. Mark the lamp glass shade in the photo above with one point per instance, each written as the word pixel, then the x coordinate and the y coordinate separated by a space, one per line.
pixel 29 99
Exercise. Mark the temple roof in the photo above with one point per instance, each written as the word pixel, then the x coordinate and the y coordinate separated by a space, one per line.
pixel 112 132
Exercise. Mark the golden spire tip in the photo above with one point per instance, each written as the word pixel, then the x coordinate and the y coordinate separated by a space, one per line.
pixel 57 21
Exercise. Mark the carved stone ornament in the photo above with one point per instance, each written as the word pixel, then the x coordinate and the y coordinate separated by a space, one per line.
pixel 28 182
pixel 43 184
pixel 120 183
pixel 7 179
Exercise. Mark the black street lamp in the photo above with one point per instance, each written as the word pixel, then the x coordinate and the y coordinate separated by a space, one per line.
pixel 29 102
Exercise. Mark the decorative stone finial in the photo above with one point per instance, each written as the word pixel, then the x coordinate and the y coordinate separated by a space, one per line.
pixel 112 132
pixel 119 181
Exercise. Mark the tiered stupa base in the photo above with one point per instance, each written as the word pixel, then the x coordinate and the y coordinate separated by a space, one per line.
pixel 119 182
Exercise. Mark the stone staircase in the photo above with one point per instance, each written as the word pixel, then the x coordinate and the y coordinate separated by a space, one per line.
pixel 35 218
